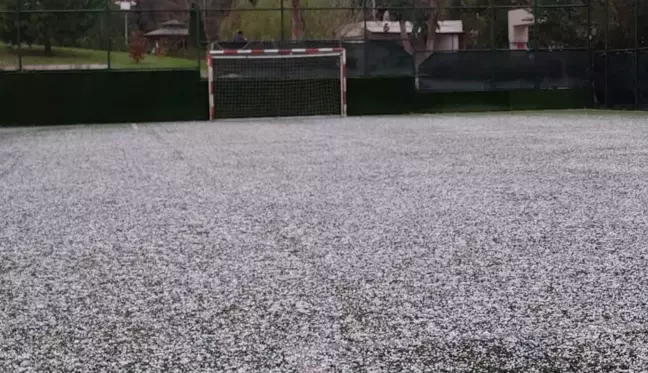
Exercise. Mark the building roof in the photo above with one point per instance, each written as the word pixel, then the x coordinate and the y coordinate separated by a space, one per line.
pixel 168 32
pixel 173 24
pixel 385 27
pixel 170 28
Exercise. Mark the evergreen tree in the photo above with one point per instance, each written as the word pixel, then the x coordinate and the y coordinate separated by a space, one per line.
pixel 197 37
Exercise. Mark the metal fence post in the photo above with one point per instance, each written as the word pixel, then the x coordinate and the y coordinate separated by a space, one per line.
pixel 365 59
pixel 281 9
pixel 18 35
pixel 492 41
pixel 108 39
pixel 199 46
pixel 590 57
pixel 535 25
pixel 414 67
pixel 636 43
pixel 607 62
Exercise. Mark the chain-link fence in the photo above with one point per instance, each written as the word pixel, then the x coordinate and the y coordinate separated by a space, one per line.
pixel 475 45
pixel 38 38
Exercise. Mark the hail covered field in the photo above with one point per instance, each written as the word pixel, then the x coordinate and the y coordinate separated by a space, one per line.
pixel 469 243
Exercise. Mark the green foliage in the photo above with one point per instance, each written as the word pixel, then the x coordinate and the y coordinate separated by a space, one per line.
pixel 266 24
pixel 560 23
pixel 63 28
pixel 13 27
pixel 566 27
pixel 257 25
pixel 418 12
pixel 620 16
pixel 197 37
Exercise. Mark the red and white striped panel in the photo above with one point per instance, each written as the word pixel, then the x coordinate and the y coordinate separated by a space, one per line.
pixel 278 51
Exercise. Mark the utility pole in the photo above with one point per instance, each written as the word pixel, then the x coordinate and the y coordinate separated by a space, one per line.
pixel 126 7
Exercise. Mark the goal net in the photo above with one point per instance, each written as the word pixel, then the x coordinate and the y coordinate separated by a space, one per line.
pixel 246 83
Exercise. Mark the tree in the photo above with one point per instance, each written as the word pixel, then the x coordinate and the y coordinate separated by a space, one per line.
pixel 563 26
pixel 14 27
pixel 137 48
pixel 213 12
pixel 486 26
pixel 423 15
pixel 298 22
pixel 297 17
pixel 197 37
pixel 47 28
pixel 145 15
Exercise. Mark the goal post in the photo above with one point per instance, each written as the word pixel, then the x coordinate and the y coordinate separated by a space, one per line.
pixel 245 83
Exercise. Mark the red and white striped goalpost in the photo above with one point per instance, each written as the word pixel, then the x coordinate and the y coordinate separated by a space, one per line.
pixel 279 53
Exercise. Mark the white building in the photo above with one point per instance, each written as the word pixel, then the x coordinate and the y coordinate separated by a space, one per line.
pixel 448 36
pixel 519 21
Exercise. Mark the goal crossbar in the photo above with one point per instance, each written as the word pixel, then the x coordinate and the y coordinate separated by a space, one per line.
pixel 276 55
pixel 272 54
pixel 276 51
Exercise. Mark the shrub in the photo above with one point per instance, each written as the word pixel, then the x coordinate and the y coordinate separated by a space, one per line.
pixel 137 48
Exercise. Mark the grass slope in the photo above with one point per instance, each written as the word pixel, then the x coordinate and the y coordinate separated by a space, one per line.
pixel 77 56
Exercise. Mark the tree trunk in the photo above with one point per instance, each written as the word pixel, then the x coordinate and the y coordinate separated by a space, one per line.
pixel 409 41
pixel 205 29
pixel 430 38
pixel 213 13
pixel 298 23
pixel 405 38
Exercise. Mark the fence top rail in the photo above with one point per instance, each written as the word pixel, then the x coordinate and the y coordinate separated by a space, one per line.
pixel 305 8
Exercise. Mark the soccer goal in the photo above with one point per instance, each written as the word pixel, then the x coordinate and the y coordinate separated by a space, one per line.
pixel 246 83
